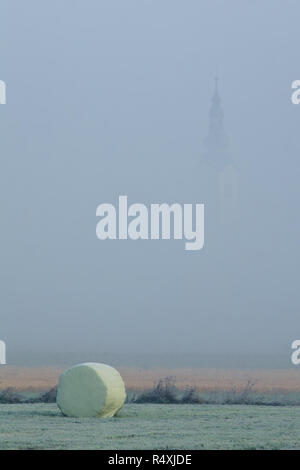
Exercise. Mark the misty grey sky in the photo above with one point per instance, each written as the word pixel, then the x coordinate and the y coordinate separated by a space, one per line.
pixel 112 97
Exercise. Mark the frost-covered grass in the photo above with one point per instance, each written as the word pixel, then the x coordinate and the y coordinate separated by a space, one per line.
pixel 41 426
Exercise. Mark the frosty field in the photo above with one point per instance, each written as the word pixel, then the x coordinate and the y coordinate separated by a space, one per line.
pixel 41 426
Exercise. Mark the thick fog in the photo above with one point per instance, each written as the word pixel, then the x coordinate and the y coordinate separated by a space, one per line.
pixel 109 98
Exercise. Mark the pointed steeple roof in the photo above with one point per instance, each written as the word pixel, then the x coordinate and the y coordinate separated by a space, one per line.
pixel 216 140
pixel 216 110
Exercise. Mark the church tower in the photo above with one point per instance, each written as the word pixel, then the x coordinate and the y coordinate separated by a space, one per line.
pixel 218 158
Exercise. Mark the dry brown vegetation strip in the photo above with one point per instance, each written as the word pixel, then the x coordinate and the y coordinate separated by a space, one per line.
pixel 43 378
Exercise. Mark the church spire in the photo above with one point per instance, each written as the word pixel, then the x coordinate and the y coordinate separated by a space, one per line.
pixel 216 141
pixel 216 131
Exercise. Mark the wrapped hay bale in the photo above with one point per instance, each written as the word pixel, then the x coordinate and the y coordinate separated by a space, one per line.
pixel 90 389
